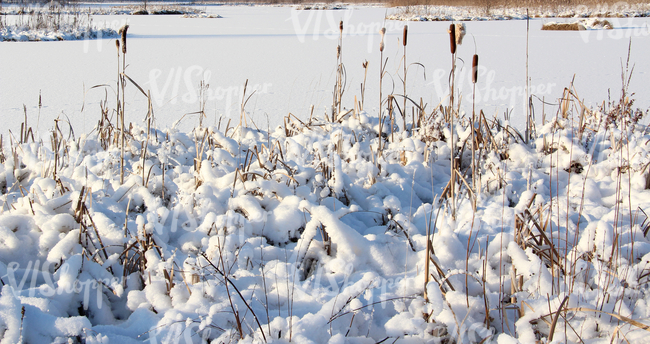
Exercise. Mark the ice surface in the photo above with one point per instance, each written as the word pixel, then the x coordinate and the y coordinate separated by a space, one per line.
pixel 294 75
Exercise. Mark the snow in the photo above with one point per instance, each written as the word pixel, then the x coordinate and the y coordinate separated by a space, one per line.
pixel 298 229
pixel 26 34
pixel 490 12
pixel 49 22
pixel 268 233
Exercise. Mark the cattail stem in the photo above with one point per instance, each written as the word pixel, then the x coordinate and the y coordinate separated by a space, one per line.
pixel 122 82
pixel 390 116
pixel 404 40
pixel 118 102
pixel 382 65
pixel 338 91
pixel 363 86
pixel 452 175
pixel 528 122
pixel 474 80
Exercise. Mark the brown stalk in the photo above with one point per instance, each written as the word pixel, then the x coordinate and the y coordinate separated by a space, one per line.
pixel 452 38
pixel 404 41
pixel 452 41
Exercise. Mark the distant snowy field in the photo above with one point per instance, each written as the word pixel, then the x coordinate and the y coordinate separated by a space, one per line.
pixel 289 57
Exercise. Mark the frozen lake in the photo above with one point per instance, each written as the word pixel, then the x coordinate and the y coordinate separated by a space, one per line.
pixel 289 59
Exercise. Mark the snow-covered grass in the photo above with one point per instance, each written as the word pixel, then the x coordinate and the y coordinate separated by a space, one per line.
pixel 517 12
pixel 341 226
pixel 156 8
pixel 64 33
pixel 49 23
pixel 58 22
pixel 584 24
pixel 202 15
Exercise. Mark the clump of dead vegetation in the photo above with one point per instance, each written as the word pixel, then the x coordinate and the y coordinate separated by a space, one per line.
pixel 585 24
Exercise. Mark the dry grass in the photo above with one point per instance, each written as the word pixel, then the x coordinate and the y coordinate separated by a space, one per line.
pixel 563 26
pixel 577 26
pixel 433 10
pixel 508 3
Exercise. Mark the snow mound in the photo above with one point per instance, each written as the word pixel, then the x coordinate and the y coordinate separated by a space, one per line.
pixel 583 24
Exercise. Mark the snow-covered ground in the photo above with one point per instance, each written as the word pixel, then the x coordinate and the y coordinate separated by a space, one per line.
pixel 543 10
pixel 309 234
pixel 48 23
pixel 316 231
pixel 24 34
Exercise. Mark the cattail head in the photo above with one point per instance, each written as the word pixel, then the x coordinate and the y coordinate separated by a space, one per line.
pixel 452 38
pixel 460 33
pixel 475 68
pixel 406 30
pixel 564 105
pixel 117 44
pixel 382 32
pixel 365 64
pixel 341 26
pixel 122 32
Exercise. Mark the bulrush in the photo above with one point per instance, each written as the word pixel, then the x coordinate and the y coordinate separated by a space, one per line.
pixel 363 85
pixel 475 68
pixel 122 32
pixel 460 33
pixel 404 40
pixel 475 174
pixel 121 84
pixel 452 38
pixel 338 90
pixel 382 70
